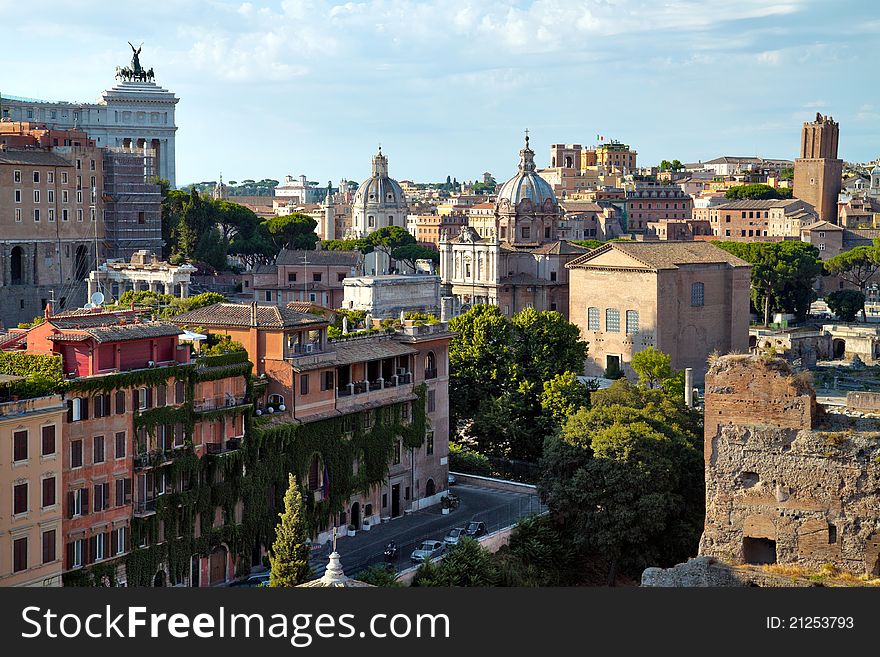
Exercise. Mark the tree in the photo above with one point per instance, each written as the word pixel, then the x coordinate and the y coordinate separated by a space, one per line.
pixel 856 267
pixel 388 238
pixel 625 478
pixel 590 244
pixel 212 248
pixel 257 248
pixel 782 274
pixel 379 575
pixel 652 366
pixel 675 165
pixel 757 191
pixel 234 219
pixel 293 231
pixel 846 304
pixel 546 344
pixel 564 395
pixel 290 554
pixel 172 210
pixel 361 244
pixel 411 252
pixel 465 564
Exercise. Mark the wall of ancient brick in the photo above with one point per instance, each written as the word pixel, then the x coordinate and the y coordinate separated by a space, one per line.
pixel 772 479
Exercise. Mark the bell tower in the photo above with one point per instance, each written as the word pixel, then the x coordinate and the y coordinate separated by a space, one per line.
pixel 818 170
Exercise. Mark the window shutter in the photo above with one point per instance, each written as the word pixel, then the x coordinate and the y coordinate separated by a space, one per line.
pixel 106 495
pixel 120 402
pixel 134 399
pixel 69 555
pixel 107 540
pixel 128 491
pixel 69 410
pixel 71 501
pixel 84 404
pixel 149 398
pixel 113 543
pixel 85 501
pixel 92 549
pixel 127 546
pixel 97 498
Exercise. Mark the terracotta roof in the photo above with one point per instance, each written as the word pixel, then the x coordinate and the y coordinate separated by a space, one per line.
pixel 239 314
pixel 560 247
pixel 36 158
pixel 525 279
pixel 823 225
pixel 581 206
pixel 665 255
pixel 76 319
pixel 118 332
pixel 356 351
pixel 758 204
pixel 309 307
pixel 322 257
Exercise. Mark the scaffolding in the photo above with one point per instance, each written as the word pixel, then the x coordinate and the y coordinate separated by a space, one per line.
pixel 133 219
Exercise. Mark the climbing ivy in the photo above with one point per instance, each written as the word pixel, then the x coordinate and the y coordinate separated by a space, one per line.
pixel 149 377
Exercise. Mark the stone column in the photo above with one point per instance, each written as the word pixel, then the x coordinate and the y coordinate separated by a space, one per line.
pixel 169 288
pixel 184 290
pixel 689 387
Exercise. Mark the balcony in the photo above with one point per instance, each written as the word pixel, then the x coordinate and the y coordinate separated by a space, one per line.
pixel 222 447
pixel 216 403
pixel 143 508
pixel 363 387
pixel 361 392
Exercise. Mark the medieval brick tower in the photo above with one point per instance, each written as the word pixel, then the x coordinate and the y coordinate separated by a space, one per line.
pixel 817 171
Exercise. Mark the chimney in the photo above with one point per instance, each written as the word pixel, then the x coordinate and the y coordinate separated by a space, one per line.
pixel 47 312
pixel 254 313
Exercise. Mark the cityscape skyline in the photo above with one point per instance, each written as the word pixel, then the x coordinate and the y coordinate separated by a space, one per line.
pixel 462 82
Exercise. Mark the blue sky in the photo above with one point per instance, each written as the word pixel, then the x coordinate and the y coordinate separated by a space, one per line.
pixel 447 86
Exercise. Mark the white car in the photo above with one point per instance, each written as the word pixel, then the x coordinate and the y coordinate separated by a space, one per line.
pixel 454 536
pixel 428 550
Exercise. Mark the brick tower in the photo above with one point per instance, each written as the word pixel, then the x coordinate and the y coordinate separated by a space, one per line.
pixel 817 171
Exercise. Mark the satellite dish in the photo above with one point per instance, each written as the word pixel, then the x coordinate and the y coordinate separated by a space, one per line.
pixel 97 299
pixel 89 305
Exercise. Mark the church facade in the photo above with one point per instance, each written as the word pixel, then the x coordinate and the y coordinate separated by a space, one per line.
pixel 520 261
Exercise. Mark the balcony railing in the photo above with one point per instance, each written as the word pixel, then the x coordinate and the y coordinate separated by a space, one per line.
pixel 431 373
pixel 144 508
pixel 362 387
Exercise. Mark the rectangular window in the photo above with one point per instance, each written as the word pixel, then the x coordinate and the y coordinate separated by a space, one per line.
pixel 16 176
pixel 396 452
pixel 303 384
pixel 92 167
pixel 526 232
pixel 98 544
pixel 20 446
pixel 18 196
pixel 36 196
pixel 36 214
pixel 65 216
pixel 79 215
pixel 64 196
pixel 430 402
pixel 19 499
pixel 93 214
pixel 64 180
pixel 120 402
pixel 19 555
pixel 48 492
pixel 327 380
pixel 593 319
pixel 120 444
pixel 316 277
pixel 50 177
pixel 98 449
pixel 697 294
pixel 79 197
pixel 18 215
pixel 429 443
pixel 76 454
pixel 120 540
pixel 340 278
pixel 120 492
pixel 48 442
pixel 632 322
pixel 142 398
pixel 51 214
pixel 76 553
pixel 49 546
pixel 291 277
pixel 612 320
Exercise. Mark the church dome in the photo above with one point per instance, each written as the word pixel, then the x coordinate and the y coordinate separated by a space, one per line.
pixel 526 184
pixel 875 171
pixel 379 191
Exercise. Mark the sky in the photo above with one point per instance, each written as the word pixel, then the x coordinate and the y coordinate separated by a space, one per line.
pixel 447 86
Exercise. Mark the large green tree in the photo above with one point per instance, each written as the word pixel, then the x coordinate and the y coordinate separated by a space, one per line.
pixel 293 231
pixel 652 367
pixel 783 274
pixel 846 304
pixel 564 395
pixel 289 557
pixel 625 478
pixel 857 267
pixel 409 253
pixel 234 219
pixel 498 368
pixel 388 238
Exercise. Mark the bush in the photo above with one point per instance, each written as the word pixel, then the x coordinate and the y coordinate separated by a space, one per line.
pixel 378 575
pixel 462 459
pixel 846 304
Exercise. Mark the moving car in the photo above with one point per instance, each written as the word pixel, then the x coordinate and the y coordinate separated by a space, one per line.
pixel 454 536
pixel 428 550
pixel 450 479
pixel 475 529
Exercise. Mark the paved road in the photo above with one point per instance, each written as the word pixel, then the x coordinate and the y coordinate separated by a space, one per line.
pixel 496 508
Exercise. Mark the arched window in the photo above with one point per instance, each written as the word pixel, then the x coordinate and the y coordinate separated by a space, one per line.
pixel 697 294
pixel 430 366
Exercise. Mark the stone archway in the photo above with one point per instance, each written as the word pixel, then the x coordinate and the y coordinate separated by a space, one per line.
pixel 838 348
pixel 430 488
pixel 159 579
pixel 356 515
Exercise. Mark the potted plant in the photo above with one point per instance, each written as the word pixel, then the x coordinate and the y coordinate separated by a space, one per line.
pixel 352 530
pixel 366 524
pixel 445 505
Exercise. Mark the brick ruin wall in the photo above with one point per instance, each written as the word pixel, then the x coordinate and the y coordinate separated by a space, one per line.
pixel 778 488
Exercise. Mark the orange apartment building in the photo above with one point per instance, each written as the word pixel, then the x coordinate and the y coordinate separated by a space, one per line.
pixel 136 404
pixel 304 276
pixel 311 378
pixel 30 488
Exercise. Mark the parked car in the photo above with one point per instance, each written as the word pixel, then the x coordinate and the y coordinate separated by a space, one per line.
pixel 454 536
pixel 428 550
pixel 258 579
pixel 450 479
pixel 475 529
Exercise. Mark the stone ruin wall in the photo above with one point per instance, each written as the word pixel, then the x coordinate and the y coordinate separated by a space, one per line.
pixel 772 477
